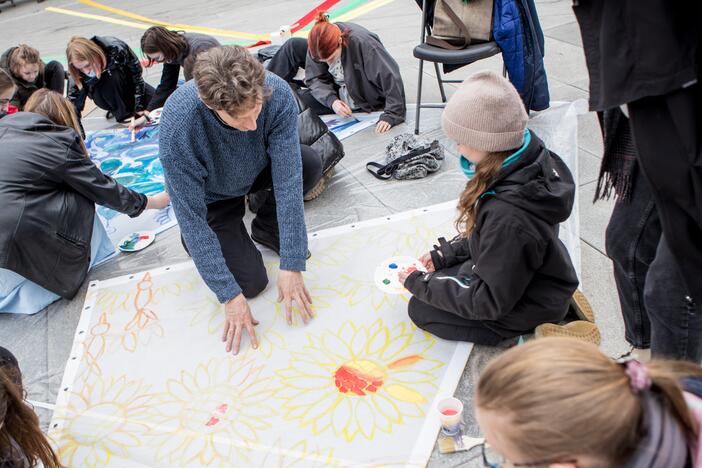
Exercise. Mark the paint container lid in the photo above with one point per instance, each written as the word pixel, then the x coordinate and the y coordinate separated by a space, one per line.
pixel 137 241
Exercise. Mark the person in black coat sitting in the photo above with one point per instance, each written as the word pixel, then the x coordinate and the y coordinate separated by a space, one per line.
pixel 507 272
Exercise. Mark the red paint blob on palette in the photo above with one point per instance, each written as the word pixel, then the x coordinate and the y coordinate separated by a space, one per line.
pixel 449 412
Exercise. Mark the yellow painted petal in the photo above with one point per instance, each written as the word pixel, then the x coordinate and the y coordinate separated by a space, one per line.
pixel 403 393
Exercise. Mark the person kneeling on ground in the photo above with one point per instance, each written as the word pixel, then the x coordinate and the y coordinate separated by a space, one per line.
pixel 507 272
pixel 230 132
pixel 106 70
pixel 22 444
pixel 174 49
pixel 50 235
pixel 7 90
pixel 347 69
pixel 561 403
pixel 30 73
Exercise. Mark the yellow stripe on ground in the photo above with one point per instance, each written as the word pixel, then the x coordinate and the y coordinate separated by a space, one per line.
pixel 104 19
pixel 185 27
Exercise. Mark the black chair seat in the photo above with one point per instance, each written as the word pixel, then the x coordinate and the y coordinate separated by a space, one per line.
pixel 470 54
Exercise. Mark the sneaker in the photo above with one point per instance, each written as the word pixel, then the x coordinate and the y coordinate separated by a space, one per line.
pixel 321 185
pixel 272 243
pixel 580 329
pixel 582 308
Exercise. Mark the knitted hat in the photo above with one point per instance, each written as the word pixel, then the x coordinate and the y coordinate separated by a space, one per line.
pixel 486 113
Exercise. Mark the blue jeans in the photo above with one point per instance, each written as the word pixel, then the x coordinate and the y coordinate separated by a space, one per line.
pixel 657 311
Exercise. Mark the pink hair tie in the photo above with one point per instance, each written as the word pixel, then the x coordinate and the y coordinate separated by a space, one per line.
pixel 638 376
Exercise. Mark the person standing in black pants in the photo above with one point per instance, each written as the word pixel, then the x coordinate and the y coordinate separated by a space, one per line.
pixel 645 56
pixel 29 73
pixel 106 70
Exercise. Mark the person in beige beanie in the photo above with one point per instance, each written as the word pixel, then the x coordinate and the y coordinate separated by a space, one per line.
pixel 506 272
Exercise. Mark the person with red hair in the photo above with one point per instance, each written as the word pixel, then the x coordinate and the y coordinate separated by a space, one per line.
pixel 347 69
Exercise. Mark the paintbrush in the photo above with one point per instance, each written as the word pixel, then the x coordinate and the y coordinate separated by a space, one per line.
pixel 133 132
pixel 457 443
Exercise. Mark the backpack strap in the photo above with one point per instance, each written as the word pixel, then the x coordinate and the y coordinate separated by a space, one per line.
pixel 435 41
pixel 385 172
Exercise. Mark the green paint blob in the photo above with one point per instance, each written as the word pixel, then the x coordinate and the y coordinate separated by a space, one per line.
pixel 386 281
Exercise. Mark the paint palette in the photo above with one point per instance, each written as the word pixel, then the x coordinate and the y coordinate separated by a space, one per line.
pixel 155 116
pixel 137 241
pixel 386 275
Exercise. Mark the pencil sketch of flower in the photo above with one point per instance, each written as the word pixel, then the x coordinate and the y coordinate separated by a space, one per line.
pixel 102 422
pixel 359 379
pixel 211 415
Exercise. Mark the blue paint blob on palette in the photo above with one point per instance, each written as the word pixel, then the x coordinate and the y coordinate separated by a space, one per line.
pixel 386 274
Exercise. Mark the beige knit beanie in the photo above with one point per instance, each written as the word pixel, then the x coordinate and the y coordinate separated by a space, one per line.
pixel 486 113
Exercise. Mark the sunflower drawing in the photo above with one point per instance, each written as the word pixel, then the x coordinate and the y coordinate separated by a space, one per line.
pixel 101 422
pixel 211 416
pixel 360 379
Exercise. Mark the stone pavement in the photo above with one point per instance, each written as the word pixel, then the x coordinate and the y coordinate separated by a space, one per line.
pixel 42 341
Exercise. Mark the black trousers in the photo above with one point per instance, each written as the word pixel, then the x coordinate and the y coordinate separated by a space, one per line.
pixel 290 57
pixel 450 326
pixel 651 290
pixel 225 217
pixel 668 134
pixel 114 92
pixel 55 77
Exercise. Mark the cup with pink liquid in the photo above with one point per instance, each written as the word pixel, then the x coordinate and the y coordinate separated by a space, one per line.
pixel 450 415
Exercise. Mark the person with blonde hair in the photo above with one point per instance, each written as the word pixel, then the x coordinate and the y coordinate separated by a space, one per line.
pixel 7 90
pixel 30 73
pixel 22 443
pixel 106 70
pixel 50 235
pixel 507 272
pixel 561 403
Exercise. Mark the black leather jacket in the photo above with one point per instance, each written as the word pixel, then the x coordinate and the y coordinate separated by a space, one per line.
pixel 48 192
pixel 120 57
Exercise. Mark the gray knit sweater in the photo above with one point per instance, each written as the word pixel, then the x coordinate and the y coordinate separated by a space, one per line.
pixel 206 161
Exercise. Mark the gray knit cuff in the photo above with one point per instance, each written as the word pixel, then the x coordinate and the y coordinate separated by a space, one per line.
pixel 482 141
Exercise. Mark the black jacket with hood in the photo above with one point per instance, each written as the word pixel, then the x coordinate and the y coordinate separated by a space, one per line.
pixel 372 76
pixel 48 192
pixel 194 44
pixel 513 272
pixel 120 59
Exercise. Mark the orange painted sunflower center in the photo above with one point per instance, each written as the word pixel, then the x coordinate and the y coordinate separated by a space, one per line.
pixel 359 377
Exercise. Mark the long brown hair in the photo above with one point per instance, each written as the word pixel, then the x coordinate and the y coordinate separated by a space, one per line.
pixel 56 108
pixel 20 423
pixel 80 48
pixel 564 398
pixel 485 172
pixel 22 55
pixel 159 39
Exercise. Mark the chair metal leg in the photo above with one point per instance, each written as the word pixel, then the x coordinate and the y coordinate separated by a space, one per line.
pixel 419 97
pixel 440 79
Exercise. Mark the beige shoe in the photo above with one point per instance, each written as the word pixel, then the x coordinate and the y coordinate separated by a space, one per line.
pixel 582 307
pixel 321 185
pixel 579 329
